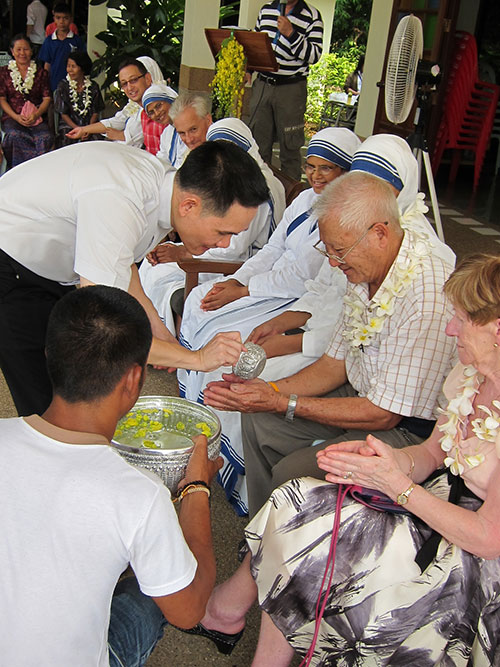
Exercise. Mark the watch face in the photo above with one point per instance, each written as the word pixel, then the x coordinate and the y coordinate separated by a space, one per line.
pixel 402 499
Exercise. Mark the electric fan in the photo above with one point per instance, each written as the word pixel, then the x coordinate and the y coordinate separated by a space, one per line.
pixel 409 77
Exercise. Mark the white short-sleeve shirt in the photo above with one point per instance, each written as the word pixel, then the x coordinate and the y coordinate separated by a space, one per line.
pixel 74 515
pixel 90 210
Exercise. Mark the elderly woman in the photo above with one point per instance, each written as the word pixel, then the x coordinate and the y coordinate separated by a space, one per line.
pixel 24 97
pixel 77 99
pixel 415 588
pixel 267 284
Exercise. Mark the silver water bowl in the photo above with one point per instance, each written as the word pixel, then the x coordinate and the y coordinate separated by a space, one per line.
pixel 172 413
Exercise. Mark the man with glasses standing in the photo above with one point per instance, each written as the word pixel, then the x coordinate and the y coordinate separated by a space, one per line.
pixel 134 79
pixel 383 370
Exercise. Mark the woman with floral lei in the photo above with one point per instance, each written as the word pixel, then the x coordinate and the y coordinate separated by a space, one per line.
pixel 77 99
pixel 24 97
pixel 420 586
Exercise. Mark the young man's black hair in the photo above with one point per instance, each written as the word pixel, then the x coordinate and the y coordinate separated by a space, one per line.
pixel 223 174
pixel 94 335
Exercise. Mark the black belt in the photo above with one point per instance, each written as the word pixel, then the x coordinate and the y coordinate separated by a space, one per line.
pixel 427 552
pixel 418 426
pixel 279 80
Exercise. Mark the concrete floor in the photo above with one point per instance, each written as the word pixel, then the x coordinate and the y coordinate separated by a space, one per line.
pixel 466 231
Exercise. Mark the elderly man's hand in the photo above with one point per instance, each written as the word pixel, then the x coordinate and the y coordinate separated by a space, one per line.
pixel 223 350
pixel 222 293
pixel 234 394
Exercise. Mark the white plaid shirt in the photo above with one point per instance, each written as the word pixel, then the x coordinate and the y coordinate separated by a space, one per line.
pixel 404 367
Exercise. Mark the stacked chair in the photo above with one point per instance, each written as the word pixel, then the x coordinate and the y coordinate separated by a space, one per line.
pixel 469 110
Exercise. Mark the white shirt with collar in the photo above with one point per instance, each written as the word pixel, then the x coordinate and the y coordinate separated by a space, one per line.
pixel 91 210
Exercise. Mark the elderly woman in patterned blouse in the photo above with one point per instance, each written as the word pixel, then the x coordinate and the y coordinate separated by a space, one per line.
pixel 419 586
pixel 25 98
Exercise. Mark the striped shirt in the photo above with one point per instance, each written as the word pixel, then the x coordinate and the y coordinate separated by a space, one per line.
pixel 294 54
pixel 404 367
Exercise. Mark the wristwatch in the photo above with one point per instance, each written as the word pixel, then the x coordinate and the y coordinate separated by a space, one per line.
pixel 290 410
pixel 402 499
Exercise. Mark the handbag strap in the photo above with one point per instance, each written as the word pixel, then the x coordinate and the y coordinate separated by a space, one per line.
pixel 343 490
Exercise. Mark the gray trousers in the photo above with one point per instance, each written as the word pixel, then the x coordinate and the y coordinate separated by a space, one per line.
pixel 276 450
pixel 277 112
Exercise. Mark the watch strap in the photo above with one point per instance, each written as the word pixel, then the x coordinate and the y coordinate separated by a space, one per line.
pixel 290 410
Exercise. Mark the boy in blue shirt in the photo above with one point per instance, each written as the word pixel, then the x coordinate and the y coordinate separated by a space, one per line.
pixel 59 45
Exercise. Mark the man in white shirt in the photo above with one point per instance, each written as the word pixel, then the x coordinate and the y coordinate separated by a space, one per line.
pixel 86 214
pixel 75 514
pixel 36 14
pixel 125 125
pixel 388 356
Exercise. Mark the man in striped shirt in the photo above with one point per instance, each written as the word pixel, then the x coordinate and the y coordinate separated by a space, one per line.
pixel 279 99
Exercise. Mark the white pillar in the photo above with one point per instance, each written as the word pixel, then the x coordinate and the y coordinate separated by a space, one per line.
pixel 378 33
pixel 327 10
pixel 197 62
pixel 97 22
pixel 249 10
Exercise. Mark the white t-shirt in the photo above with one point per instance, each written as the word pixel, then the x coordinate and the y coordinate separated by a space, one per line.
pixel 36 13
pixel 73 517
pixel 90 210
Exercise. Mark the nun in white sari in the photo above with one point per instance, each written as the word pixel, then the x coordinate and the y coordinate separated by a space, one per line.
pixel 161 281
pixel 389 157
pixel 276 277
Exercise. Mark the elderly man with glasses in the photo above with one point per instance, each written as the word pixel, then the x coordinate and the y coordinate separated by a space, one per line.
pixel 387 358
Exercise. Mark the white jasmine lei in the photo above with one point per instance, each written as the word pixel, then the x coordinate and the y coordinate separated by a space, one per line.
pixel 365 323
pixel 22 85
pixel 458 411
pixel 86 99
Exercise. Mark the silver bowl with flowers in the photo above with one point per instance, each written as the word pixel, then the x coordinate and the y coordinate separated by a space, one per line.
pixel 157 434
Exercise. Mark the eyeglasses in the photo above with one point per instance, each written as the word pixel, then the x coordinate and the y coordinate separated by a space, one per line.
pixel 341 260
pixel 132 81
pixel 154 109
pixel 323 169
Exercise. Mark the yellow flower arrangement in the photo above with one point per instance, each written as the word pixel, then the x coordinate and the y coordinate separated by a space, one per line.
pixel 228 84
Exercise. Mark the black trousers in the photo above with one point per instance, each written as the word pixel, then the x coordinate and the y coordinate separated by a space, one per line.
pixel 26 300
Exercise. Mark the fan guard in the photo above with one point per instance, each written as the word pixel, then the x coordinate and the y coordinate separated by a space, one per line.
pixel 406 50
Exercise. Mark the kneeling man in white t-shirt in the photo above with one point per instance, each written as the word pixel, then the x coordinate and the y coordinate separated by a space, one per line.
pixel 75 514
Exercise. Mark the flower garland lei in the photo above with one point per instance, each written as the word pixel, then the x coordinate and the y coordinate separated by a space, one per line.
pixel 228 84
pixel 459 408
pixel 359 333
pixel 74 98
pixel 22 86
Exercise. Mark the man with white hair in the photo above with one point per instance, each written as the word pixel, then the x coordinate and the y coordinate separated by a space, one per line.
pixel 191 118
pixel 387 357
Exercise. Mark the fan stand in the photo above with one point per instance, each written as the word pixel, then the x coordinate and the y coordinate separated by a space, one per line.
pixel 420 149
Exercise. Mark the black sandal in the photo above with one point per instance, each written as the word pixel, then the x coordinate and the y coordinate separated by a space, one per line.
pixel 225 643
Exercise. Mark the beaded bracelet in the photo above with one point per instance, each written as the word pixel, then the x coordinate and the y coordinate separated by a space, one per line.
pixel 191 487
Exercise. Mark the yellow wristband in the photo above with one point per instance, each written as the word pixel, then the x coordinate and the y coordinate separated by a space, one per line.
pixel 194 489
pixel 274 386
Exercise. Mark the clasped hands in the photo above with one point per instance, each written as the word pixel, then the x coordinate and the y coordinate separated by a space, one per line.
pixel 369 463
pixel 222 293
